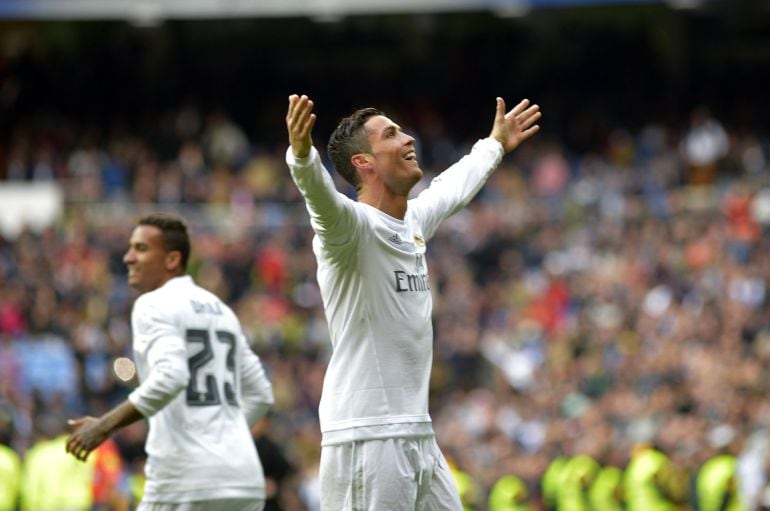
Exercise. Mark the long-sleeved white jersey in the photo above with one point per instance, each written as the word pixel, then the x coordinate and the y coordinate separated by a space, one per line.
pixel 377 297
pixel 201 387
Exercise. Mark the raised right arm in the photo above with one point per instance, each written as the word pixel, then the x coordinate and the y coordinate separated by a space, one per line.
pixel 299 121
pixel 332 214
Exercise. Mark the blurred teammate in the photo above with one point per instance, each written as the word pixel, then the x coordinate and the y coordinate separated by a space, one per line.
pixel 201 385
pixel 379 450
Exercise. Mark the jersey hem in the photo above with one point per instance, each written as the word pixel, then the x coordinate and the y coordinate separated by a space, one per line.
pixel 207 494
pixel 377 432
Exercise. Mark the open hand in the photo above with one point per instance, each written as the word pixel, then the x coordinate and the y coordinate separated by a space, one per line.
pixel 516 126
pixel 300 121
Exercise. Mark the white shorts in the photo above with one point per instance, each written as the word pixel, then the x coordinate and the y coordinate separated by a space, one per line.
pixel 204 505
pixel 394 474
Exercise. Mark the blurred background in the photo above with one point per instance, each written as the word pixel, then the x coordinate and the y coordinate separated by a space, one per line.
pixel 601 308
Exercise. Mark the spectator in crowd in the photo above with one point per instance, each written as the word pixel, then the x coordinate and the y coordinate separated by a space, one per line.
pixel 10 468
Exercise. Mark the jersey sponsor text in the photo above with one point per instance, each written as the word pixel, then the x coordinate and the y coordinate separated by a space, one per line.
pixel 411 282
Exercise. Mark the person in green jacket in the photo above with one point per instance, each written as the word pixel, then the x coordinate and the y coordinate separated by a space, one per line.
pixel 466 487
pixel 10 477
pixel 509 493
pixel 606 492
pixel 575 479
pixel 10 466
pixel 549 482
pixel 52 480
pixel 716 485
pixel 652 483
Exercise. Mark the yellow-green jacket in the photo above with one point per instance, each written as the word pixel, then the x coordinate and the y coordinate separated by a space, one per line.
pixel 53 480
pixel 648 482
pixel 606 492
pixel 575 478
pixel 549 483
pixel 467 488
pixel 509 493
pixel 10 478
pixel 716 485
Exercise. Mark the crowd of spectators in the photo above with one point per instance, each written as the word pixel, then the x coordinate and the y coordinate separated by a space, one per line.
pixel 584 303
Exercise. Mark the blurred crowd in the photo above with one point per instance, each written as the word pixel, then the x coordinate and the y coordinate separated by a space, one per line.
pixel 594 304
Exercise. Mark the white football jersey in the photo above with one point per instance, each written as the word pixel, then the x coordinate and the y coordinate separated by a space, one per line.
pixel 201 388
pixel 377 296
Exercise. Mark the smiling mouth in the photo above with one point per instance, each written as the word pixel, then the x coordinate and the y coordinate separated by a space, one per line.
pixel 410 156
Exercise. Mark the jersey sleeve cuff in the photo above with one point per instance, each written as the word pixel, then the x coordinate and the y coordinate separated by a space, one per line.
pixel 493 144
pixel 294 161
pixel 136 400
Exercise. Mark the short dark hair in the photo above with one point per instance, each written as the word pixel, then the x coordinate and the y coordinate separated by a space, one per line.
pixel 347 139
pixel 174 230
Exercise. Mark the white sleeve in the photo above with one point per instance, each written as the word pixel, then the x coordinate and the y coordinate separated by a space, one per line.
pixel 160 342
pixel 256 390
pixel 331 214
pixel 454 188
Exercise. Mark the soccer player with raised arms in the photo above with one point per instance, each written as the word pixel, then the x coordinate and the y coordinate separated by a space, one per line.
pixel 378 446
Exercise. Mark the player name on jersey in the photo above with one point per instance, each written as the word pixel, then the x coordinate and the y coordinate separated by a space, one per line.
pixel 206 307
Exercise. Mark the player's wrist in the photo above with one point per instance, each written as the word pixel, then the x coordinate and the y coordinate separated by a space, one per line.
pixel 499 140
pixel 300 153
pixel 495 134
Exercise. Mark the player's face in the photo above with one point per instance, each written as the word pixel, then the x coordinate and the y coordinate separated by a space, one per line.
pixel 146 259
pixel 395 161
